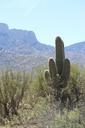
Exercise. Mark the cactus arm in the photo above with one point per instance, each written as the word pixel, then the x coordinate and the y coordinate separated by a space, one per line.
pixel 52 69
pixel 47 75
pixel 66 70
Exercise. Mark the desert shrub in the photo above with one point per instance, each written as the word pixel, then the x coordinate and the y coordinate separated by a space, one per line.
pixel 76 85
pixel 12 88
pixel 38 83
pixel 70 119
pixel 38 87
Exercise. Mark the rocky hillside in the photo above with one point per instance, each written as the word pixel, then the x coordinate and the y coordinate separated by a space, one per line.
pixel 76 53
pixel 20 49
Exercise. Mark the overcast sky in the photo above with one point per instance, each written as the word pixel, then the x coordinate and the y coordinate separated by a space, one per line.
pixel 47 18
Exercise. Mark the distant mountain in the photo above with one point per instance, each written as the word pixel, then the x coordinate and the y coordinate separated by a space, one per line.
pixel 20 49
pixel 76 53
pixel 21 42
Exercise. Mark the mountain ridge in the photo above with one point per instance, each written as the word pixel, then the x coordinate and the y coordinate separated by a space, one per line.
pixel 20 49
pixel 76 53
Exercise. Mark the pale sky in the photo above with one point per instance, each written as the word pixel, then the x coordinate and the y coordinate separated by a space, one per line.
pixel 47 18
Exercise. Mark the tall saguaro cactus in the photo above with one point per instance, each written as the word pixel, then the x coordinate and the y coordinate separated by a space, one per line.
pixel 60 56
pixel 59 69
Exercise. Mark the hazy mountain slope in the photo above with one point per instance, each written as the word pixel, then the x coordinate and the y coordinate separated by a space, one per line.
pixel 21 41
pixel 76 52
pixel 20 49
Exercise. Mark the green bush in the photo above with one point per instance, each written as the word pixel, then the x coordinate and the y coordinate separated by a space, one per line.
pixel 12 88
pixel 70 119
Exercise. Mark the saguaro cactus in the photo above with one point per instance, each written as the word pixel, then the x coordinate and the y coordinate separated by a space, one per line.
pixel 59 70
pixel 60 56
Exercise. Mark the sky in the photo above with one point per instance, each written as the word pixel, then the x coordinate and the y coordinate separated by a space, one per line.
pixel 47 18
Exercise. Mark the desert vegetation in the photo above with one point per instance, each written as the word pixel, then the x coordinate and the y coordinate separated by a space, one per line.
pixel 53 98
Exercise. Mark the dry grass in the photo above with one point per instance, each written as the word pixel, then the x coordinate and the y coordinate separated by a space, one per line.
pixel 37 107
